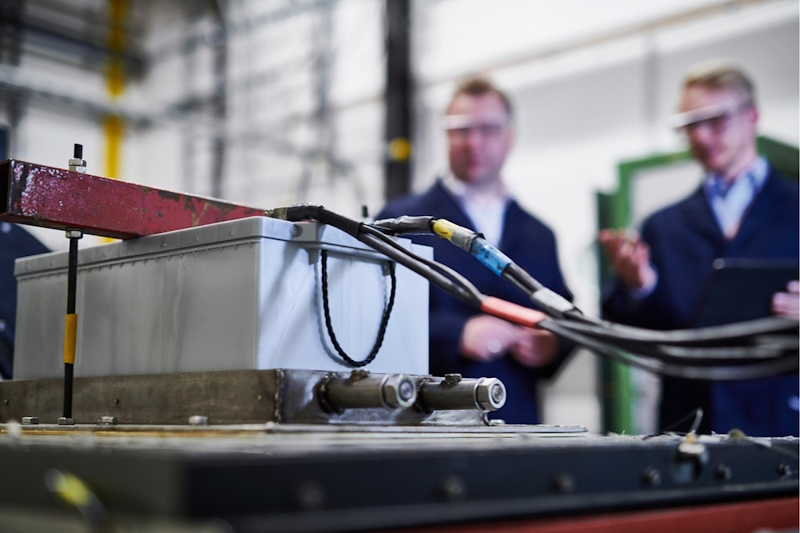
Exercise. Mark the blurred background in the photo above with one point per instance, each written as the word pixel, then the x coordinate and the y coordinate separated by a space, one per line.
pixel 340 102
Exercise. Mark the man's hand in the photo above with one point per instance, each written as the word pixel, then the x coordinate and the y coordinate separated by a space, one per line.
pixel 486 338
pixel 630 258
pixel 534 347
pixel 787 303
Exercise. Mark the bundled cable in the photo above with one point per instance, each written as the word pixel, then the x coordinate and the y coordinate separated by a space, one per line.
pixel 740 351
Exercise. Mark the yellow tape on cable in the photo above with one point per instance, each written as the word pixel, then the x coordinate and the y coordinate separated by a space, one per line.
pixel 444 229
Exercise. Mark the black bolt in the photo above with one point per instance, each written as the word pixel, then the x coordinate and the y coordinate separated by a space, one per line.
pixel 652 476
pixel 564 483
pixel 723 473
pixel 784 470
pixel 453 489
pixel 310 496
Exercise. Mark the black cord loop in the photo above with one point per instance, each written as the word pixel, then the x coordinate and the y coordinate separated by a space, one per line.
pixel 384 319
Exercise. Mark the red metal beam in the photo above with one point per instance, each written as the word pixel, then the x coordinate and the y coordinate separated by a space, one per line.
pixel 56 198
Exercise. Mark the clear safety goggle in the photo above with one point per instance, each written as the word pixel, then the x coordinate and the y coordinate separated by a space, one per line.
pixel 714 116
pixel 463 124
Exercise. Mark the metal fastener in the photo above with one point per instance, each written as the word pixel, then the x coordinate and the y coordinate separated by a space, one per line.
pixel 453 489
pixel 30 420
pixel 564 483
pixel 107 420
pixel 651 476
pixel 310 496
pixel 198 420
pixel 451 379
pixel 490 394
pixel 399 390
pixel 723 473
pixel 64 421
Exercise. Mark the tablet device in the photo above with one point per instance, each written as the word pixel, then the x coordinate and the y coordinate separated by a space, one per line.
pixel 742 289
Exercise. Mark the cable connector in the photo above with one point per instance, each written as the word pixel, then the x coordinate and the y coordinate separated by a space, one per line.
pixel 458 235
pixel 300 212
pixel 490 256
pixel 551 302
pixel 405 225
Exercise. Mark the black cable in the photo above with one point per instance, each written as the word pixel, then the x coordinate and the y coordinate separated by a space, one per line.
pixel 440 267
pixel 781 365
pixel 405 225
pixel 707 353
pixel 387 312
pixel 713 334
pixel 465 291
pixel 760 347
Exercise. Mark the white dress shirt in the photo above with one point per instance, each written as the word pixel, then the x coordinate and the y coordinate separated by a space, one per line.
pixel 485 206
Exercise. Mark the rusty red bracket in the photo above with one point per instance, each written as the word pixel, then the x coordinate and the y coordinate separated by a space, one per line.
pixel 62 199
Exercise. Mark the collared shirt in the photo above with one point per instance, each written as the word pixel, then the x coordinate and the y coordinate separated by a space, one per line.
pixel 729 200
pixel 485 206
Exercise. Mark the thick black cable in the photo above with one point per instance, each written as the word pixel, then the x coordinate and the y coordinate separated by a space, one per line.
pixel 468 294
pixel 659 349
pixel 405 225
pixel 723 373
pixel 713 334
pixel 387 312
pixel 653 354
pixel 463 289
pixel 760 347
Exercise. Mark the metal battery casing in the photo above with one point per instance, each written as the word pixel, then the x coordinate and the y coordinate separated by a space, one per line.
pixel 238 295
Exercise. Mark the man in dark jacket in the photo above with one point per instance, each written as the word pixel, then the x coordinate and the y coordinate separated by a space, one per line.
pixel 462 340
pixel 743 209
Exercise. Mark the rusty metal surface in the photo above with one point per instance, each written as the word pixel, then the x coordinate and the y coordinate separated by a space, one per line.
pixel 224 397
pixel 55 198
pixel 227 397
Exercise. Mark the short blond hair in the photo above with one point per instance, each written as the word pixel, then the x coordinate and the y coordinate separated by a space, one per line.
pixel 720 76
pixel 480 87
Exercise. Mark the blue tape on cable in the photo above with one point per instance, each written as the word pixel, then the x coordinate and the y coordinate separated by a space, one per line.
pixel 490 256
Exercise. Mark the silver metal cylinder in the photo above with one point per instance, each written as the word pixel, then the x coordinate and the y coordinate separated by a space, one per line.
pixel 453 392
pixel 363 391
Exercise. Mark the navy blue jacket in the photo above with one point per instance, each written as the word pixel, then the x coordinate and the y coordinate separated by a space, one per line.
pixel 14 242
pixel 684 240
pixel 529 243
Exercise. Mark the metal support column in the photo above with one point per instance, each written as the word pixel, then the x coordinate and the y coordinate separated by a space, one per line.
pixel 398 98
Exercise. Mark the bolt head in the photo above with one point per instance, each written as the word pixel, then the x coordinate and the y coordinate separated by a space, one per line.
pixel 490 394
pixel 652 477
pixel 399 391
pixel 198 420
pixel 723 473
